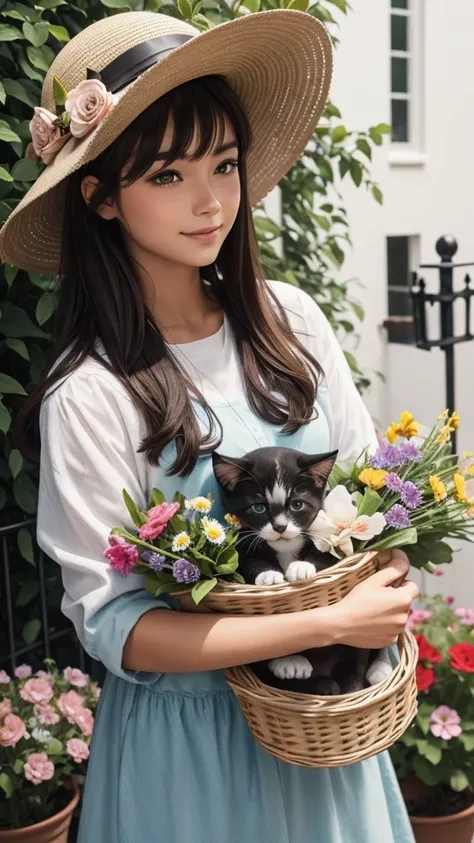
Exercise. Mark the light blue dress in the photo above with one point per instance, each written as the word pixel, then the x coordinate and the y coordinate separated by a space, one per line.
pixel 172 758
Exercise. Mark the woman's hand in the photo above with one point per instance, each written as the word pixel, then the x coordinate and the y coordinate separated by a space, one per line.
pixel 375 612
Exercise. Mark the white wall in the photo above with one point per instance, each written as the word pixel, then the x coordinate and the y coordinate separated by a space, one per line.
pixel 431 196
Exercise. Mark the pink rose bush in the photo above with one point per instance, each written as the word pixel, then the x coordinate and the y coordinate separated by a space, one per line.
pixel 46 723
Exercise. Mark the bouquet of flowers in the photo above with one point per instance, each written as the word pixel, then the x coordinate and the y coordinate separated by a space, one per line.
pixel 177 545
pixel 46 723
pixel 410 493
pixel 439 746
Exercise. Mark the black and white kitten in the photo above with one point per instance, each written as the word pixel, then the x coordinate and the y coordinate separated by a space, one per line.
pixel 276 493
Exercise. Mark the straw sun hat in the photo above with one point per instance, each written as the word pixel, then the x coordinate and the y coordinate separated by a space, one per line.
pixel 279 63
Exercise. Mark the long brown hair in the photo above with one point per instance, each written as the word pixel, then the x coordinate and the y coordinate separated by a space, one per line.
pixel 100 296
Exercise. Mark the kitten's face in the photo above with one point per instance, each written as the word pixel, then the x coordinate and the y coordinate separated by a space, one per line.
pixel 275 493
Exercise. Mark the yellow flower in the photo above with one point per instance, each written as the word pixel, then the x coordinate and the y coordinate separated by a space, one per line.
pixel 438 487
pixel 444 434
pixel 453 421
pixel 460 485
pixel 214 532
pixel 406 427
pixel 373 477
pixel 232 520
pixel 180 542
pixel 201 504
pixel 470 470
pixel 205 521
pixel 467 455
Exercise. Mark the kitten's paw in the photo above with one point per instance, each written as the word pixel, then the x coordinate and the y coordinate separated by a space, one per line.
pixel 270 578
pixel 291 667
pixel 300 571
pixel 378 671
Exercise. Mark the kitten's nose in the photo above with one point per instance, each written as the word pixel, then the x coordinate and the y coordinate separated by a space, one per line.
pixel 280 528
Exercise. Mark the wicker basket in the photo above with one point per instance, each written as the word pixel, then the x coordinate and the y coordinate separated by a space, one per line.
pixel 325 588
pixel 330 731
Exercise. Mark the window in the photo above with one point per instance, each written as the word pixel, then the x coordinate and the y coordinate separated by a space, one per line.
pixel 402 255
pixel 405 70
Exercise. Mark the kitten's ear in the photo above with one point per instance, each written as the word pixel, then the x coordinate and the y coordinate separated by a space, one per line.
pixel 229 470
pixel 318 466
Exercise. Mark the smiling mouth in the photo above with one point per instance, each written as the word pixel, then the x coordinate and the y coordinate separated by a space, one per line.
pixel 203 231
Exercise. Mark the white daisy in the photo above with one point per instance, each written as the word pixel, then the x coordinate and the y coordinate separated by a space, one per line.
pixel 214 532
pixel 199 504
pixel 181 542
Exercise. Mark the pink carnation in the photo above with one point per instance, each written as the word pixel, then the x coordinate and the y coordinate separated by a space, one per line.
pixel 23 671
pixel 4 678
pixel 466 616
pixel 157 519
pixel 76 677
pixel 5 707
pixel 46 715
pixel 445 723
pixel 122 556
pixel 38 768
pixel 418 616
pixel 85 720
pixel 78 750
pixel 37 690
pixel 12 731
pixel 70 705
pixel 43 674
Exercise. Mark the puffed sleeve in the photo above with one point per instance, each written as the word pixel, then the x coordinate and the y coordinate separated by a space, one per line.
pixel 352 429
pixel 90 434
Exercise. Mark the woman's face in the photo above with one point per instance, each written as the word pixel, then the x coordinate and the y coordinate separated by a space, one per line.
pixel 182 212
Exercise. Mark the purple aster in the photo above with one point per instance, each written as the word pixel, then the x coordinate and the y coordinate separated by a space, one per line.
pixel 387 456
pixel 397 517
pixel 155 560
pixel 410 452
pixel 185 572
pixel 393 482
pixel 411 495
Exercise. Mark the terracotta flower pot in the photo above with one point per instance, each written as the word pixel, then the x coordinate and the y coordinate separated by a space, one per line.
pixel 53 830
pixel 457 828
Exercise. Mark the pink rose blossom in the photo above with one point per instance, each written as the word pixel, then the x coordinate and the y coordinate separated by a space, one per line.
pixel 418 616
pixel 157 519
pixel 70 705
pixel 12 731
pixel 43 674
pixel 87 104
pixel 43 129
pixel 122 556
pixel 466 616
pixel 5 707
pixel 23 671
pixel 85 720
pixel 4 678
pixel 78 750
pixel 76 677
pixel 46 715
pixel 445 723
pixel 38 768
pixel 37 691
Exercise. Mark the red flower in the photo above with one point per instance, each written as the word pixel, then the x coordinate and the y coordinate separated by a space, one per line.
pixel 425 677
pixel 427 653
pixel 462 657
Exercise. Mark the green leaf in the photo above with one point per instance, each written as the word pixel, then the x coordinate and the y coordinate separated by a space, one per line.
pixel 251 5
pixel 9 33
pixel 18 766
pixel 15 463
pixel 15 322
pixel 375 136
pixel 3 94
pixel 185 9
pixel 299 5
pixel 22 91
pixel 25 493
pixel 40 57
pixel 459 781
pixel 31 630
pixel 468 742
pixel 60 33
pixel 10 273
pixel 10 386
pixel 202 588
pixel 37 34
pixel 7 135
pixel 28 592
pixel 115 4
pixel 371 502
pixel 377 194
pixel 157 497
pixel 364 146
pixel 6 785
pixel 399 539
pixel 59 92
pixel 339 133
pixel 19 347
pixel 356 172
pixel 54 747
pixel 25 170
pixel 169 588
pixel 5 418
pixel 45 307
pixel 429 751
pixel 427 772
pixel 5 175
pixel 137 518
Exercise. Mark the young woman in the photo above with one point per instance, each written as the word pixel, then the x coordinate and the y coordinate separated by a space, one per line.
pixel 170 342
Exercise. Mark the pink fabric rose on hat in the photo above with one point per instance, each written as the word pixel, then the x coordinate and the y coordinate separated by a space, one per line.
pixel 38 768
pixel 5 707
pixel 445 723
pixel 122 556
pixel 78 750
pixel 87 104
pixel 12 731
pixel 157 519
pixel 70 705
pixel 23 671
pixel 76 677
pixel 46 715
pixel 43 129
pixel 37 690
